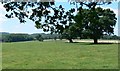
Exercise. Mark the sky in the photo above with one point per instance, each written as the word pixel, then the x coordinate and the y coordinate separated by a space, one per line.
pixel 14 26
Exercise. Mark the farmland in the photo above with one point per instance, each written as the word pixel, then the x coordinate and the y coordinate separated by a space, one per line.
pixel 59 55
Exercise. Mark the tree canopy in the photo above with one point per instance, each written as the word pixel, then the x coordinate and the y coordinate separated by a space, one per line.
pixel 96 22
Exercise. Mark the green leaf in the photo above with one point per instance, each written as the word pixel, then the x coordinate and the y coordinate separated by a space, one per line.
pixel 38 25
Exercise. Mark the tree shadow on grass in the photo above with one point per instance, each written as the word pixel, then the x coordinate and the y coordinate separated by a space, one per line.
pixel 100 43
pixel 90 43
pixel 79 43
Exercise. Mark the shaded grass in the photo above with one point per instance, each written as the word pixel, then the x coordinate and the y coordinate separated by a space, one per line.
pixel 59 55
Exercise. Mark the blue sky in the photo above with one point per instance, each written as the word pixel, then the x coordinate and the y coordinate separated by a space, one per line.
pixel 14 26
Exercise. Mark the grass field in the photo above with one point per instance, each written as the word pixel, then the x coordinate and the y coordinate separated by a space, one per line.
pixel 59 55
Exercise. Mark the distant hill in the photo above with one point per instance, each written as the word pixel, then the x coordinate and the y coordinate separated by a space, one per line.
pixel 4 33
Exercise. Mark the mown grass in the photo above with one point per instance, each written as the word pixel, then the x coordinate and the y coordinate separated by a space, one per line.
pixel 59 55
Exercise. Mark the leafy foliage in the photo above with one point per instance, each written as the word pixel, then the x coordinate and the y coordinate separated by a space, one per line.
pixel 45 14
pixel 96 22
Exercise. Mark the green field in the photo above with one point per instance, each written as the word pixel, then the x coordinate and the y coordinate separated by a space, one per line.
pixel 59 55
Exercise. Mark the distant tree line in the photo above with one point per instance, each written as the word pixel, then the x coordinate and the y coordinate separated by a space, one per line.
pixel 7 37
pixel 15 37
pixel 46 36
pixel 114 37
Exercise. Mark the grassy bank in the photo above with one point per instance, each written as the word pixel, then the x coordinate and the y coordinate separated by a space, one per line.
pixel 59 55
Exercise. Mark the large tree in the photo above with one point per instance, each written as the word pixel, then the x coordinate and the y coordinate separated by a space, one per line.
pixel 89 15
pixel 96 22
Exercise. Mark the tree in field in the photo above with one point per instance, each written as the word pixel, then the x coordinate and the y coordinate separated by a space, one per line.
pixel 39 37
pixel 96 22
pixel 86 22
pixel 49 17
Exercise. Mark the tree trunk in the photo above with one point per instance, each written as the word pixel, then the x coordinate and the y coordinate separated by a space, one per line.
pixel 95 41
pixel 70 40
